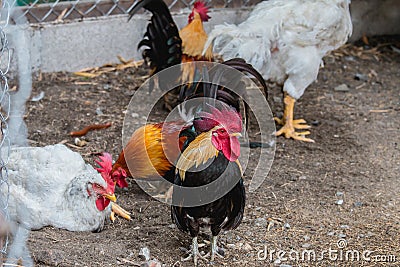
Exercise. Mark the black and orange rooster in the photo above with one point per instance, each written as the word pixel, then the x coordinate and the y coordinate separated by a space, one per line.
pixel 167 46
pixel 153 149
pixel 145 155
pixel 211 156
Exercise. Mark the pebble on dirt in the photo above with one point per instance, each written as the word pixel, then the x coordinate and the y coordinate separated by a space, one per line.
pixel 342 88
pixel 339 202
pixel 144 254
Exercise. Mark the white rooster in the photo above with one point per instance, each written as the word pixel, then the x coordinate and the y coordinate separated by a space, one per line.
pixel 52 186
pixel 285 40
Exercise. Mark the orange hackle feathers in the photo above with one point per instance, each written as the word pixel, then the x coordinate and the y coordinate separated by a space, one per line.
pixel 151 151
pixel 194 38
pixel 199 151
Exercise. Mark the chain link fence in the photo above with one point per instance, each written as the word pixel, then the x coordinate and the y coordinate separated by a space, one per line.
pixel 38 11
pixel 5 58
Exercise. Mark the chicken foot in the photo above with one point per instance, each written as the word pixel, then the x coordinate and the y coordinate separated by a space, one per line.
pixel 215 249
pixel 195 254
pixel 289 124
pixel 116 209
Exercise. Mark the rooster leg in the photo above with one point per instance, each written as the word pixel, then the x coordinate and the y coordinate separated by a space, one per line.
pixel 289 125
pixel 116 209
pixel 215 250
pixel 195 254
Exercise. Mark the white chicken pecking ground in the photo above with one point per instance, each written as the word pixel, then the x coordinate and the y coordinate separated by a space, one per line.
pixel 285 40
pixel 53 186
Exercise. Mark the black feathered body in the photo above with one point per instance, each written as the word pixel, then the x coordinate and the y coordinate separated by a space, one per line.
pixel 224 213
pixel 164 46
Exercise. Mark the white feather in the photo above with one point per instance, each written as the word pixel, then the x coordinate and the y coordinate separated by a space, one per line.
pixel 48 187
pixel 285 40
pixel 187 116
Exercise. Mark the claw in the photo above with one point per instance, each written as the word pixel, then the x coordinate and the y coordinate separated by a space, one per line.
pixel 289 132
pixel 112 216
pixel 278 121
pixel 215 249
pixel 116 209
pixel 195 254
pixel 289 124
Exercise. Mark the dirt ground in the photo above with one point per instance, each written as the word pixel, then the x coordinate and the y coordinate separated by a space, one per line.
pixel 336 197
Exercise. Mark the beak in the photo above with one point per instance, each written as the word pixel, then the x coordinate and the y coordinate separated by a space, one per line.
pixel 236 134
pixel 112 197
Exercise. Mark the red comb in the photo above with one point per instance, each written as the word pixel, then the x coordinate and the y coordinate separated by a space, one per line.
pixel 227 117
pixel 105 163
pixel 201 8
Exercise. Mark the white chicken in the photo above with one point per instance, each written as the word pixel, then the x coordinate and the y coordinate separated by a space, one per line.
pixel 285 40
pixel 52 186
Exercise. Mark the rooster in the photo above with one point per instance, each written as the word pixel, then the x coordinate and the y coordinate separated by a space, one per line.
pixel 212 155
pixel 145 154
pixel 153 149
pixel 285 40
pixel 52 186
pixel 166 46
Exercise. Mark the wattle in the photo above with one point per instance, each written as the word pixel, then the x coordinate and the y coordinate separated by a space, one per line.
pixel 122 182
pixel 232 149
pixel 120 177
pixel 235 146
pixel 102 203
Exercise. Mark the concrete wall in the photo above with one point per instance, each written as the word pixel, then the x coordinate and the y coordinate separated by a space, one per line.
pixel 71 46
pixel 375 17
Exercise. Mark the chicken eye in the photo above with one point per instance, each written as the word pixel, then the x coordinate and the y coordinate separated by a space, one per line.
pixel 222 131
pixel 97 186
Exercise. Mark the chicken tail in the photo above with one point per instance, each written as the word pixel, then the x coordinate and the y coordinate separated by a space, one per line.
pixel 163 46
pixel 235 91
pixel 241 65
pixel 154 6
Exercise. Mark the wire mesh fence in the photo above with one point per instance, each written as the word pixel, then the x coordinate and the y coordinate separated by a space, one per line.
pixel 38 11
pixel 5 58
